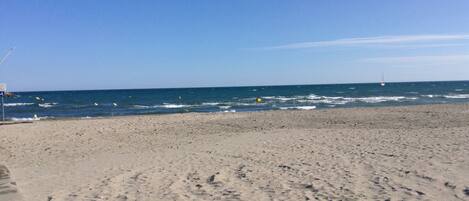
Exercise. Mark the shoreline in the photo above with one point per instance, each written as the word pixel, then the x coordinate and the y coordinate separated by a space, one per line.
pixel 368 153
pixel 222 112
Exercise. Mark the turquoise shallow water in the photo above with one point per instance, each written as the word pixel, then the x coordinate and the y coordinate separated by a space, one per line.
pixel 98 103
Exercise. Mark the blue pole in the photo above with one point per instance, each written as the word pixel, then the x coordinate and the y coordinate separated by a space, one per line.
pixel 3 107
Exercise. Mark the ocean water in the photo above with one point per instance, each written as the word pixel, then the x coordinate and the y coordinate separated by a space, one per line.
pixel 101 103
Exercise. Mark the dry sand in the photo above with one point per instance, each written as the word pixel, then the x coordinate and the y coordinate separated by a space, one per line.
pixel 396 153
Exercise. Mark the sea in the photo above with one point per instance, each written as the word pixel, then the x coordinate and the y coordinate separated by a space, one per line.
pixel 103 103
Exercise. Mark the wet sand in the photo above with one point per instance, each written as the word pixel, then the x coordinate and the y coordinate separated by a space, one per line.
pixel 394 153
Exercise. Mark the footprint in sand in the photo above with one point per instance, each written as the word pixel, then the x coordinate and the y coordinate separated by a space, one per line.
pixel 8 190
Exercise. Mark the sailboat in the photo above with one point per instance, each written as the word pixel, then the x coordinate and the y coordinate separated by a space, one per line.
pixel 382 81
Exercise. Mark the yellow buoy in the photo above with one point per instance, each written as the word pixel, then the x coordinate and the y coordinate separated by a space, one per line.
pixel 258 100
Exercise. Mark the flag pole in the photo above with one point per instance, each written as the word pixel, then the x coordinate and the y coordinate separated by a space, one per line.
pixel 3 108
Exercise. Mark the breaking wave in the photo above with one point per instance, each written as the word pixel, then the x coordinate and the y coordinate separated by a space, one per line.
pixel 34 118
pixel 47 105
pixel 299 108
pixel 172 106
pixel 457 96
pixel 17 104
pixel 336 100
pixel 449 96
pixel 211 104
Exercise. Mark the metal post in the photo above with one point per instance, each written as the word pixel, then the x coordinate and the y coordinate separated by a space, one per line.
pixel 3 109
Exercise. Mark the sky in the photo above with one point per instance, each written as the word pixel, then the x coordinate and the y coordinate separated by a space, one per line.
pixel 115 44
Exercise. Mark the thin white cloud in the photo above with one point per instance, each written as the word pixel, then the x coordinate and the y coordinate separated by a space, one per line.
pixel 420 60
pixel 380 40
pixel 417 46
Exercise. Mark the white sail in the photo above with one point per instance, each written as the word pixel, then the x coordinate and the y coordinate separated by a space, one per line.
pixel 382 81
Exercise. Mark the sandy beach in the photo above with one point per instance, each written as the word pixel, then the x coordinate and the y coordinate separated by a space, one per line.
pixel 393 153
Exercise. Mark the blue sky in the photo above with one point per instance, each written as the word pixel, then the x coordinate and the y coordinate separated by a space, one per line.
pixel 90 44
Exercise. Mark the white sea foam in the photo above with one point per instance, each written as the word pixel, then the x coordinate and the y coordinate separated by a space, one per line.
pixel 279 98
pixel 336 100
pixel 245 104
pixel 171 106
pixel 379 99
pixel 25 119
pixel 285 99
pixel 314 97
pixel 229 111
pixel 211 103
pixel 431 96
pixel 142 106
pixel 47 105
pixel 339 100
pixel 457 96
pixel 449 96
pixel 331 101
pixel 17 104
pixel 299 108
pixel 225 105
pixel 34 118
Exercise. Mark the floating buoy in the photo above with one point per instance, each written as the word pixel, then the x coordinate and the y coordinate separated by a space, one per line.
pixel 258 100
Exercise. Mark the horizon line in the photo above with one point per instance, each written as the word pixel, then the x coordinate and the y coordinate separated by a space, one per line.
pixel 239 86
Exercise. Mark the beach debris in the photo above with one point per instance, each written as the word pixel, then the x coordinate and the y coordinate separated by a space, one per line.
pixel 449 185
pixel 311 187
pixel 466 191
pixel 9 94
pixel 211 179
pixel 285 167
pixel 424 177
